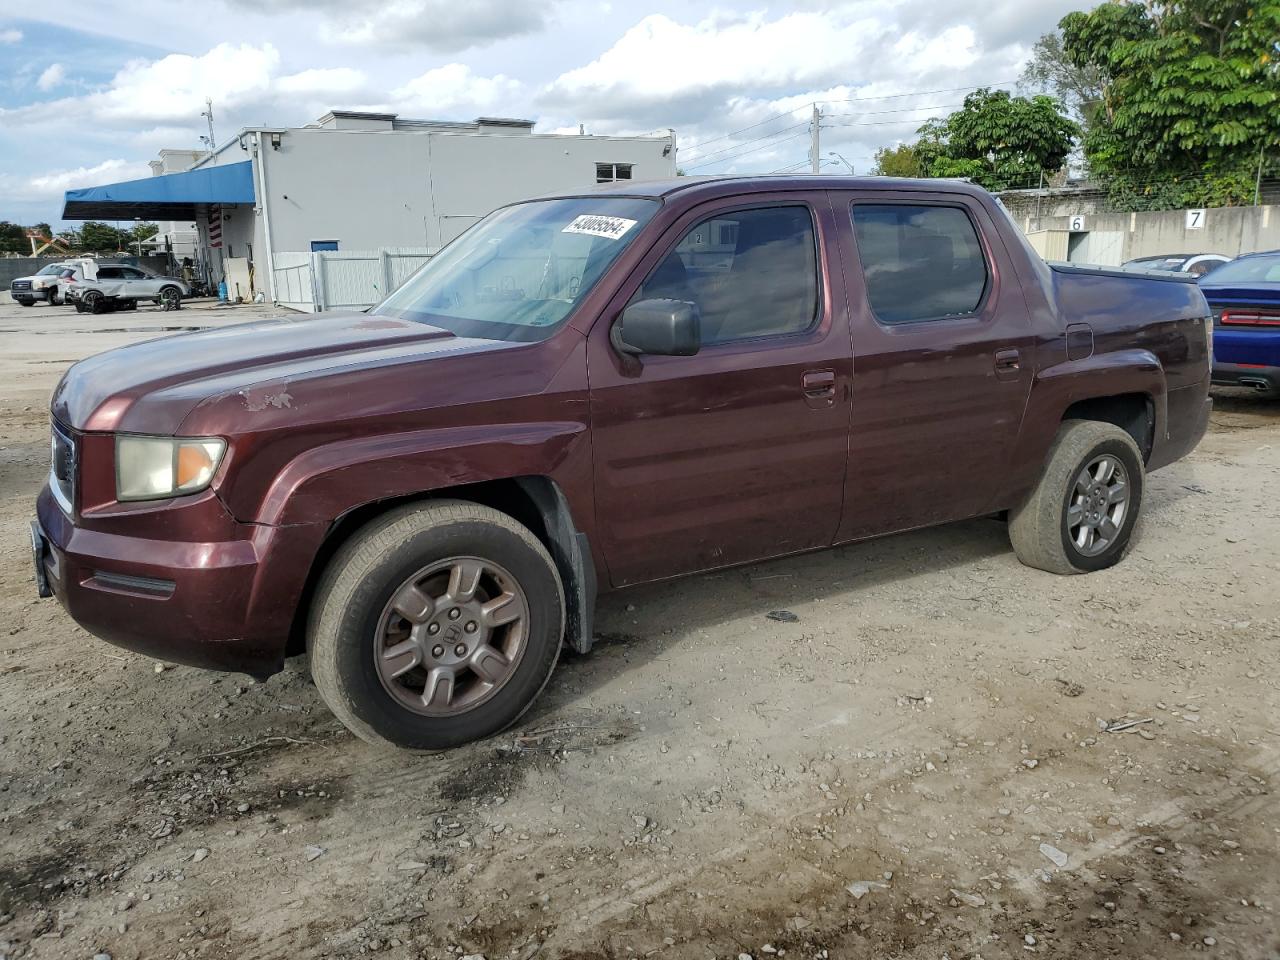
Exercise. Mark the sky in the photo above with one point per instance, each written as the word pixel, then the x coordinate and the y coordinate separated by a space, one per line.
pixel 89 92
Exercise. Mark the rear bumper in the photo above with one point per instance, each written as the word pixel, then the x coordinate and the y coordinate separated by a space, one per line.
pixel 224 605
pixel 1253 376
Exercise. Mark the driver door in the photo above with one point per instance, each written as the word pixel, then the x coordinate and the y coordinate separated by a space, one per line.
pixel 737 453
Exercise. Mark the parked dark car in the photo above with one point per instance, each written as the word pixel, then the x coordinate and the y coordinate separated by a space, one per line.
pixel 1245 299
pixel 583 393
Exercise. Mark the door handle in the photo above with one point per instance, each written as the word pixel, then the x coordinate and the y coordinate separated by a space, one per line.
pixel 1008 363
pixel 819 383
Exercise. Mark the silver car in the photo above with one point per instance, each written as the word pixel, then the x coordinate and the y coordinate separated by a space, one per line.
pixel 122 286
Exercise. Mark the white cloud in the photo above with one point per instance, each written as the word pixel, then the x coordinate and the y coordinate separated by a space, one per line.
pixel 329 80
pixel 53 75
pixel 443 25
pixel 451 89
pixel 10 36
pixel 55 183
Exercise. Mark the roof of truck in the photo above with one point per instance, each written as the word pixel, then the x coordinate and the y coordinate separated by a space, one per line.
pixel 719 185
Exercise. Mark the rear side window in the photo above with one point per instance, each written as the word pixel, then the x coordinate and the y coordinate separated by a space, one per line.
pixel 920 262
pixel 751 273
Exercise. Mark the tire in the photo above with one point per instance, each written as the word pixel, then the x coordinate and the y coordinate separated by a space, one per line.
pixel 94 302
pixel 354 618
pixel 170 298
pixel 1043 529
pixel 53 297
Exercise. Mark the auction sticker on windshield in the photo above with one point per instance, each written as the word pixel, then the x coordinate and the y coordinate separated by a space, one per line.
pixel 611 228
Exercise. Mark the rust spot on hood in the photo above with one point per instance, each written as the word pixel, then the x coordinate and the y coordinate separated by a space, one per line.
pixel 258 399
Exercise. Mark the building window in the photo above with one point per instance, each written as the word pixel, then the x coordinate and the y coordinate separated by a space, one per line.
pixel 612 172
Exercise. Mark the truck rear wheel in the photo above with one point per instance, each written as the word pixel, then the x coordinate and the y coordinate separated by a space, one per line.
pixel 1082 513
pixel 435 625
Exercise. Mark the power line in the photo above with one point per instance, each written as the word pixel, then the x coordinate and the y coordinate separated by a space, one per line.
pixel 738 156
pixel 891 96
pixel 702 161
pixel 922 93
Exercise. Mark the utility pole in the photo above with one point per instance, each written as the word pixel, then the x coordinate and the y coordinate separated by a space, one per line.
pixel 815 151
pixel 1257 182
pixel 207 113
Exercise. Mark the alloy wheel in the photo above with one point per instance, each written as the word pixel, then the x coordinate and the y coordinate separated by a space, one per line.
pixel 1097 505
pixel 451 636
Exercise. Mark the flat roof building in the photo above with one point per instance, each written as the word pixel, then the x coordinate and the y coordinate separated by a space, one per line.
pixel 356 180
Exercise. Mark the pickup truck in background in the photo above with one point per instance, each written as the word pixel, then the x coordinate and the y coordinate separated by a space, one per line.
pixel 1244 296
pixel 586 392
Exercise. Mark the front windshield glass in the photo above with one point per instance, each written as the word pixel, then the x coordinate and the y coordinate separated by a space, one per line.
pixel 51 269
pixel 1266 269
pixel 518 273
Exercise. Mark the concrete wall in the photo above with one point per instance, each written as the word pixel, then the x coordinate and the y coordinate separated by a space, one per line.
pixel 13 267
pixel 1227 230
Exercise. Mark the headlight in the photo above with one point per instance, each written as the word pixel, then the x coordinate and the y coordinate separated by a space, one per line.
pixel 152 468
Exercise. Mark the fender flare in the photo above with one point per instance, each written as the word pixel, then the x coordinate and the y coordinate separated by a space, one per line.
pixel 330 483
pixel 1056 388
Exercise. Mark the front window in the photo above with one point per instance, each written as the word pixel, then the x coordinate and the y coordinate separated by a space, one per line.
pixel 51 270
pixel 519 273
pixel 1248 269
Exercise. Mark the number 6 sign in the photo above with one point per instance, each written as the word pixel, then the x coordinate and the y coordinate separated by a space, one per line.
pixel 1077 223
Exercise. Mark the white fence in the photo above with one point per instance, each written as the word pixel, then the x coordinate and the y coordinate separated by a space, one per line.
pixel 342 279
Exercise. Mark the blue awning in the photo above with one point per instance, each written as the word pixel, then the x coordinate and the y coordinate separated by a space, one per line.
pixel 173 196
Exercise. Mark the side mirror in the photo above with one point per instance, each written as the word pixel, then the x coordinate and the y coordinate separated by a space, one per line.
pixel 670 328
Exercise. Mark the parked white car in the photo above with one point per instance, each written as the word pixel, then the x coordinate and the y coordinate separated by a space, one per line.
pixel 119 287
pixel 1197 264
pixel 48 283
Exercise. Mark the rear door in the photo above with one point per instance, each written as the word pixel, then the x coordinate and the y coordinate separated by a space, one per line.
pixel 944 358
pixel 139 283
pixel 739 452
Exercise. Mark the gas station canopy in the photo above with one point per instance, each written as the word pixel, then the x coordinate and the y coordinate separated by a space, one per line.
pixel 173 196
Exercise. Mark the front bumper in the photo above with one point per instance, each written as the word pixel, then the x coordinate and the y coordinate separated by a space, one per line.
pixel 29 294
pixel 226 605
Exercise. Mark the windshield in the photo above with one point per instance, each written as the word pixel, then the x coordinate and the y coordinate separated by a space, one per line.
pixel 518 273
pixel 1156 263
pixel 1246 269
pixel 51 269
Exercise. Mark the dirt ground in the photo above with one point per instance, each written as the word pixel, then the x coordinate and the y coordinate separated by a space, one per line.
pixel 915 768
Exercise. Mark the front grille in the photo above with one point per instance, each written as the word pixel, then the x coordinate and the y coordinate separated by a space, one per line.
pixel 21 285
pixel 62 470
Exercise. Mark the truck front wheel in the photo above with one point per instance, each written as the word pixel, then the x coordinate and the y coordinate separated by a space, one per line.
pixel 1082 513
pixel 435 625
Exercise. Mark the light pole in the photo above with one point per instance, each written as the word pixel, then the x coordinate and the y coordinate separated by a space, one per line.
pixel 842 160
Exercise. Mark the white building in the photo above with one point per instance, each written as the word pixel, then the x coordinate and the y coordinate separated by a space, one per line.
pixel 359 181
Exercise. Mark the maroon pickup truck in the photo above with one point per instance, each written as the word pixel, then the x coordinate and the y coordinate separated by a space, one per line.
pixel 587 392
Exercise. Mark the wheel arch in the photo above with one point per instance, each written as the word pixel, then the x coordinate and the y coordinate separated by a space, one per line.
pixel 1134 413
pixel 537 502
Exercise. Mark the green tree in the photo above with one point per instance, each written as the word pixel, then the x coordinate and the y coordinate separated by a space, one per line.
pixel 1079 87
pixel 899 161
pixel 1191 97
pixel 998 140
pixel 13 238
pixel 99 237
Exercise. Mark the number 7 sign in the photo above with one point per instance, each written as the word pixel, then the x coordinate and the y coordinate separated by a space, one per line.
pixel 1196 219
